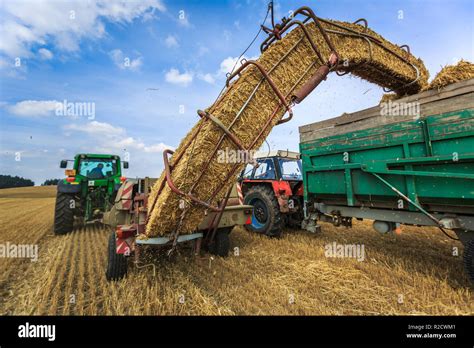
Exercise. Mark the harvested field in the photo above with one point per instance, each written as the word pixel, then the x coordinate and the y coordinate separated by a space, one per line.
pixel 411 273
pixel 292 62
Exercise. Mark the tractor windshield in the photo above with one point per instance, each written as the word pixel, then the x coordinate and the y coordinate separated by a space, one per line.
pixel 97 168
pixel 290 169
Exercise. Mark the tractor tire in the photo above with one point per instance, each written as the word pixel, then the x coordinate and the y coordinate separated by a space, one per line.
pixel 63 214
pixel 266 217
pixel 469 259
pixel 221 244
pixel 117 263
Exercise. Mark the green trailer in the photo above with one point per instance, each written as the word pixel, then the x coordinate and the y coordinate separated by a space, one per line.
pixel 409 161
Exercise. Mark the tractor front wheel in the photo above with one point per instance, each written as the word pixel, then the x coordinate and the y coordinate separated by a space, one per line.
pixel 63 213
pixel 117 263
pixel 266 217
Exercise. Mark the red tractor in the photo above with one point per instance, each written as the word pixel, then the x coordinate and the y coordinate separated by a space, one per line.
pixel 273 185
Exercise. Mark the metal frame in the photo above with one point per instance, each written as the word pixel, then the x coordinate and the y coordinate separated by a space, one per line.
pixel 401 216
pixel 165 240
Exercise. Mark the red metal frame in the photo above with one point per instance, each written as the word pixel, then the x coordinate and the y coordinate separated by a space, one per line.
pixel 285 101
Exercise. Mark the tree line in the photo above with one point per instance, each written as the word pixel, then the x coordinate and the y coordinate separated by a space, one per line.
pixel 8 181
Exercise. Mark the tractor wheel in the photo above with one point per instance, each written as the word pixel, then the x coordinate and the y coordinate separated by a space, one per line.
pixel 63 213
pixel 221 244
pixel 469 259
pixel 116 263
pixel 266 217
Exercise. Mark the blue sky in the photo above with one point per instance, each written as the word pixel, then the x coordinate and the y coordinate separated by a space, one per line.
pixel 147 66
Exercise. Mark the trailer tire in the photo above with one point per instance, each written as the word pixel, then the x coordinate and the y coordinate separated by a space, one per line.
pixel 116 263
pixel 266 216
pixel 63 213
pixel 221 244
pixel 469 259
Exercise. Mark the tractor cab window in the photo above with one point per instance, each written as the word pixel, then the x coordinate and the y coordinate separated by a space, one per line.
pixel 97 168
pixel 290 169
pixel 247 173
pixel 265 170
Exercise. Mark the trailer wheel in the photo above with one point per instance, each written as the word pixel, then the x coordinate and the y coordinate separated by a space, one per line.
pixel 116 263
pixel 266 216
pixel 63 214
pixel 221 244
pixel 469 258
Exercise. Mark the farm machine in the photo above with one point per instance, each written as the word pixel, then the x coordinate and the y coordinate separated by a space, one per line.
pixel 88 190
pixel 274 187
pixel 416 170
pixel 128 218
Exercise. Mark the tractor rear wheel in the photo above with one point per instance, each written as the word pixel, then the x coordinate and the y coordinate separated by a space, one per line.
pixel 63 213
pixel 117 263
pixel 266 217
pixel 221 244
pixel 469 259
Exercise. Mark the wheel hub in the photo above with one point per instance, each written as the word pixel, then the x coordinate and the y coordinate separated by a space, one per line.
pixel 260 214
pixel 260 211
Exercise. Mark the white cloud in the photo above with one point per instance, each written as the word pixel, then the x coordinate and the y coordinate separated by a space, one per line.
pixel 33 108
pixel 112 137
pixel 45 54
pixel 124 62
pixel 64 23
pixel 171 41
pixel 160 147
pixel 102 129
pixel 228 63
pixel 225 67
pixel 175 77
pixel 207 78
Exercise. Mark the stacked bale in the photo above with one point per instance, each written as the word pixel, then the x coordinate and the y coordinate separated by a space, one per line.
pixel 449 74
pixel 368 61
pixel 461 71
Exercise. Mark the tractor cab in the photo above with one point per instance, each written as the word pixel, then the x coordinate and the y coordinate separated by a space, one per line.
pixel 273 184
pixel 88 190
pixel 274 165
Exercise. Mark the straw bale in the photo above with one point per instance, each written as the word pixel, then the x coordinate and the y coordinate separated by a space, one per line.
pixel 463 70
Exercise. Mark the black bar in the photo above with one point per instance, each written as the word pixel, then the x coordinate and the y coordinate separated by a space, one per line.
pixel 243 330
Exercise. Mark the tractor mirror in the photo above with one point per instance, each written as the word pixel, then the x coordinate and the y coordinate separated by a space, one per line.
pixel 125 164
pixel 63 164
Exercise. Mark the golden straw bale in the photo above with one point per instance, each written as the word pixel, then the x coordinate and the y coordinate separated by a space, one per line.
pixel 463 70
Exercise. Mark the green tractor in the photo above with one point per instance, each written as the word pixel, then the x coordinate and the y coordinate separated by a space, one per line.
pixel 88 191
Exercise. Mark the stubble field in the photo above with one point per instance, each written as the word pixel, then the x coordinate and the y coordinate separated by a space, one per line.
pixel 411 273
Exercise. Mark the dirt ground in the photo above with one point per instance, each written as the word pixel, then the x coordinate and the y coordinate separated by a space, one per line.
pixel 411 273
